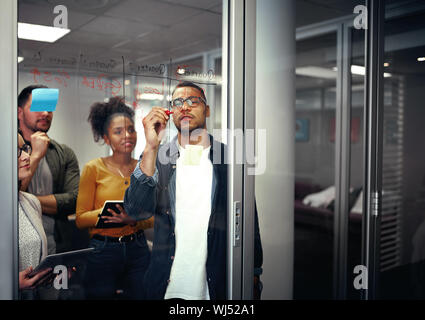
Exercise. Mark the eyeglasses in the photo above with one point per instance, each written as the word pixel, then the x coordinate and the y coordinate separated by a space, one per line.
pixel 26 147
pixel 191 102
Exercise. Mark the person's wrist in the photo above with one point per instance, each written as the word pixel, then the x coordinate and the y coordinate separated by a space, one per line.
pixel 37 155
pixel 151 148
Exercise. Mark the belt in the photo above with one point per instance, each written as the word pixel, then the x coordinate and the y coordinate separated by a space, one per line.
pixel 122 239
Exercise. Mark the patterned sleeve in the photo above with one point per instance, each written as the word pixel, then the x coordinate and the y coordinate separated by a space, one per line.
pixel 140 197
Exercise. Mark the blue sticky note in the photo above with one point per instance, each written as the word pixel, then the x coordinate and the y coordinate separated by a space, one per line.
pixel 44 99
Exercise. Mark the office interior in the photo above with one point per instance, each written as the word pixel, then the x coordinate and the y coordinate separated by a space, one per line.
pixel 309 71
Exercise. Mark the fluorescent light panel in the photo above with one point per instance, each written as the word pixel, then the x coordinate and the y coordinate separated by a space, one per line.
pixel 38 32
pixel 150 96
pixel 153 96
pixel 421 59
pixel 361 71
pixel 316 72
pixel 324 73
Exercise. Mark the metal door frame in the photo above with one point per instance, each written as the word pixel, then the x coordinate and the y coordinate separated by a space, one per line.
pixel 9 132
pixel 373 143
pixel 241 17
pixel 378 13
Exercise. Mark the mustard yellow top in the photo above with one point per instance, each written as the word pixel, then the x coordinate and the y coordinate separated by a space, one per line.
pixel 98 184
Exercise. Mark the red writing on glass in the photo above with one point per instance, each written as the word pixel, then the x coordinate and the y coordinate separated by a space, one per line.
pixel 47 76
pixel 100 84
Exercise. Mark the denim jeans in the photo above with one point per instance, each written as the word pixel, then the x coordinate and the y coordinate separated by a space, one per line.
pixel 115 265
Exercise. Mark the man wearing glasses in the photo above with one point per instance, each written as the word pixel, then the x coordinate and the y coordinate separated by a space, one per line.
pixel 184 184
pixel 54 173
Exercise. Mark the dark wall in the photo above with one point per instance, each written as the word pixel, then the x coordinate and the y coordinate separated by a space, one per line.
pixel 414 162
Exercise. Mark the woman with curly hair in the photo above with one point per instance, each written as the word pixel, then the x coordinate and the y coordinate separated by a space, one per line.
pixel 122 254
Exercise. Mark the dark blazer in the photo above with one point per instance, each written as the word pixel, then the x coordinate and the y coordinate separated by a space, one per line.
pixel 147 196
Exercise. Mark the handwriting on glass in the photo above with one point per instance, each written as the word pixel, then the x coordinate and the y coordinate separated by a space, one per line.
pixel 100 82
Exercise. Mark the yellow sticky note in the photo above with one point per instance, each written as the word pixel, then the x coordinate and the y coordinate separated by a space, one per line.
pixel 192 155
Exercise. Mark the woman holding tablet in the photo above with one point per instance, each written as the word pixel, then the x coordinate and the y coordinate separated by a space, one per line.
pixel 122 253
pixel 32 238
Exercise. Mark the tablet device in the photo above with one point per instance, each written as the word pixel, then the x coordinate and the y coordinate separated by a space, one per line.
pixel 109 204
pixel 69 259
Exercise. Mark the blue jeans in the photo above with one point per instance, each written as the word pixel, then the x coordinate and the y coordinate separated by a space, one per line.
pixel 115 265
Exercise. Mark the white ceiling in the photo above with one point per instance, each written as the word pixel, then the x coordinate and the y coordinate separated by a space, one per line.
pixel 145 31
pixel 148 31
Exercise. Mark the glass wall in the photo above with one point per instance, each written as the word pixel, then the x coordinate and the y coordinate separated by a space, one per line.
pixel 138 50
pixel 357 67
pixel 315 166
pixel 402 256
pixel 329 107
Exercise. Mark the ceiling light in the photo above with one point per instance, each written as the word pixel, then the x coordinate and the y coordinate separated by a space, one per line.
pixel 421 59
pixel 127 82
pixel 324 73
pixel 361 71
pixel 386 64
pixel 181 71
pixel 20 59
pixel 150 96
pixel 316 72
pixel 40 33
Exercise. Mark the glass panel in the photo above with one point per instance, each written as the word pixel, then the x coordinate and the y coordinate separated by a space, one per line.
pixel 402 225
pixel 314 167
pixel 316 110
pixel 136 50
pixel 356 162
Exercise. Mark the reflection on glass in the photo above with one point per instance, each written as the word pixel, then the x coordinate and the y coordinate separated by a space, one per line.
pixel 356 162
pixel 402 227
pixel 131 49
pixel 314 167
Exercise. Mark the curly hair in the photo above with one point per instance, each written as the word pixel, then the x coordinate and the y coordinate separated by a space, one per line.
pixel 101 114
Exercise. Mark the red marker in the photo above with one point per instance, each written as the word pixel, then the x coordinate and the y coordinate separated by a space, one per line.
pixel 168 112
